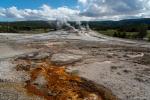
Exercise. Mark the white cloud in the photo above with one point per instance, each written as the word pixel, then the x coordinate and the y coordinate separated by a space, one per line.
pixel 84 2
pixel 85 10
pixel 115 9
pixel 45 12
pixel 2 10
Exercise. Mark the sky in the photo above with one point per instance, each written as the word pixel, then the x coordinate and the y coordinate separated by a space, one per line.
pixel 73 10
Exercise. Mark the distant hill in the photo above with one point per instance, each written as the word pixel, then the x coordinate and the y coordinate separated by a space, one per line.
pixel 105 23
pixel 97 25
pixel 34 24
pixel 120 23
pixel 27 26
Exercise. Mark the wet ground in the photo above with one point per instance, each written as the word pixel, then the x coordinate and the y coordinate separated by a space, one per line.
pixel 109 68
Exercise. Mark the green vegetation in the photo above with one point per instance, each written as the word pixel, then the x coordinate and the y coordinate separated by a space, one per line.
pixel 131 28
pixel 108 32
pixel 137 32
pixel 27 27
pixel 148 35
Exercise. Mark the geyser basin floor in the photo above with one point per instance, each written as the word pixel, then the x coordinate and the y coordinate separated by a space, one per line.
pixel 113 63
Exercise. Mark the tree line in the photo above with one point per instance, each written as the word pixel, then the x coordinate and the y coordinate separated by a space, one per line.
pixel 134 29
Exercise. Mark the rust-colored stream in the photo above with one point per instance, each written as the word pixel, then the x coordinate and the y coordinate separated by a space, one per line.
pixel 59 85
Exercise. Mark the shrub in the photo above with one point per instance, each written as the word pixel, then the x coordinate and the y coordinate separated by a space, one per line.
pixel 142 31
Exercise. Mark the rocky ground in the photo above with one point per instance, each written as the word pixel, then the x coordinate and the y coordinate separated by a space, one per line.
pixel 100 67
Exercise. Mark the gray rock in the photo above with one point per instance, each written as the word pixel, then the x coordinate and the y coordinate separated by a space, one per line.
pixel 8 95
pixel 35 56
pixel 27 56
pixel 77 52
pixel 40 82
pixel 41 55
pixel 63 59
